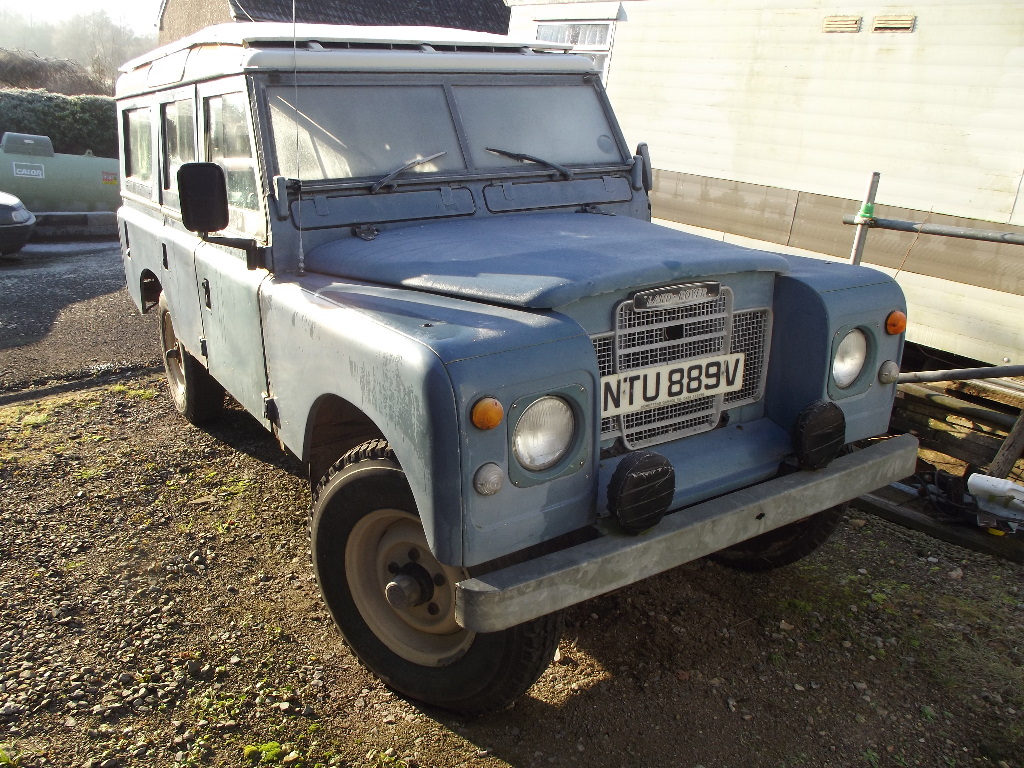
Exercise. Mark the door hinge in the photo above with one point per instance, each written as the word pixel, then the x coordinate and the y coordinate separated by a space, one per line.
pixel 202 347
pixel 270 412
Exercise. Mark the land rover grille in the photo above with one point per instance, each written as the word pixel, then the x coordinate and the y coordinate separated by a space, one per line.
pixel 655 337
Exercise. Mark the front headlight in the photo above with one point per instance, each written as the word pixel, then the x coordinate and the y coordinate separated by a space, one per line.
pixel 544 433
pixel 850 358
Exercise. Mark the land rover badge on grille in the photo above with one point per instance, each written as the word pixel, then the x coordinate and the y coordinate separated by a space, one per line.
pixel 674 296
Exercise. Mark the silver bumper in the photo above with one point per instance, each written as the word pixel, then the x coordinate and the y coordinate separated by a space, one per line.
pixel 525 591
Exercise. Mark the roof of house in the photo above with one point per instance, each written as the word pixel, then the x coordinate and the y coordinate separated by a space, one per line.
pixel 479 15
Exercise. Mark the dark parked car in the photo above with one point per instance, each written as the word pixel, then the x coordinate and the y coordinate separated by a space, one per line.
pixel 16 224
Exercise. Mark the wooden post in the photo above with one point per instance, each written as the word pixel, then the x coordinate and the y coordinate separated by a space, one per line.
pixel 1013 446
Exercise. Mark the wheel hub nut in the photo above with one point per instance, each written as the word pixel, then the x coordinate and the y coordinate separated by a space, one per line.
pixel 403 592
pixel 410 586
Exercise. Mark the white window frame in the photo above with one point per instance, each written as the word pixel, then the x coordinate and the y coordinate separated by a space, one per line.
pixel 604 50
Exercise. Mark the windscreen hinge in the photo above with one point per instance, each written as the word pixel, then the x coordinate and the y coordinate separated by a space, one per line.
pixel 365 231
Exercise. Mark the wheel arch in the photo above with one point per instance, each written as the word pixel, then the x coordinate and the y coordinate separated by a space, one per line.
pixel 334 426
pixel 149 290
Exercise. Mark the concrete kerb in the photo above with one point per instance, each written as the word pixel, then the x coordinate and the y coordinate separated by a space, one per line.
pixel 75 226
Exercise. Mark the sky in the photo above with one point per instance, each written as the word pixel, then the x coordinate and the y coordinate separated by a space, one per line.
pixel 140 15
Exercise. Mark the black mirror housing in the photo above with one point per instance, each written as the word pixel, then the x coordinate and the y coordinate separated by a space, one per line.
pixel 203 195
pixel 643 172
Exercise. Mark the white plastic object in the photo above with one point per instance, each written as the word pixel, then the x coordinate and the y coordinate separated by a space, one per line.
pixel 997 492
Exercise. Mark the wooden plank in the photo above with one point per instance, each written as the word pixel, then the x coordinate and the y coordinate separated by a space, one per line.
pixel 973 441
pixel 1009 547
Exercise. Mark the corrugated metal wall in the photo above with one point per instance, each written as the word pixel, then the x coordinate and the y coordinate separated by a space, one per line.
pixel 757 92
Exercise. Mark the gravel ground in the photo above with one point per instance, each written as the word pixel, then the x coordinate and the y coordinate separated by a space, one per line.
pixel 158 609
pixel 65 314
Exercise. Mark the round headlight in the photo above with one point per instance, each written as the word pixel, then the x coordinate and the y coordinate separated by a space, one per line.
pixel 850 358
pixel 544 433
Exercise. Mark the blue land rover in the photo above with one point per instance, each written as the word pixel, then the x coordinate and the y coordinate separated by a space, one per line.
pixel 423 259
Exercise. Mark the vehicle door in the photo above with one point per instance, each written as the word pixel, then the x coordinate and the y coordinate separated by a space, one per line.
pixel 228 290
pixel 176 113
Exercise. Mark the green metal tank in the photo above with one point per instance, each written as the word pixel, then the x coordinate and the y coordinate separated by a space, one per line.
pixel 46 181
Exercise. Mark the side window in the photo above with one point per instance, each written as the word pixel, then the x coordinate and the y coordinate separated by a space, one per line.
pixel 179 145
pixel 138 155
pixel 591 38
pixel 227 144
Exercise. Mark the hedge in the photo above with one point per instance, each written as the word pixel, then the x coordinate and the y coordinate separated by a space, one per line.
pixel 73 123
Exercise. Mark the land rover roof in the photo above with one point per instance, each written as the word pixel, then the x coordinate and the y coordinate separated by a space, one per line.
pixel 245 47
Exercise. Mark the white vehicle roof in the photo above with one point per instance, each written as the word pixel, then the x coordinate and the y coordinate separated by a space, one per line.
pixel 253 46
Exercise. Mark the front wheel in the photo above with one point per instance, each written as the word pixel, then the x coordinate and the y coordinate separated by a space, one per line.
pixel 395 603
pixel 784 545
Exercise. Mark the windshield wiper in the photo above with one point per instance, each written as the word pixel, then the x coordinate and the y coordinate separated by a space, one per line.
pixel 525 158
pixel 399 171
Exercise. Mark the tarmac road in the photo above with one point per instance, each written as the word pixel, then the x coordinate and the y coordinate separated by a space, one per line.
pixel 65 314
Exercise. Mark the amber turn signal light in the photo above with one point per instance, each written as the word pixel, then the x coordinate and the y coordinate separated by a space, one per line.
pixel 896 322
pixel 487 413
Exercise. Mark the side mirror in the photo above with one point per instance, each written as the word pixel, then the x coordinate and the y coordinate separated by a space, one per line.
pixel 203 195
pixel 643 172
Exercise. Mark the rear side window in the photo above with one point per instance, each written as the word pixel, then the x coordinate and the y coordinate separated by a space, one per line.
pixel 179 145
pixel 228 145
pixel 138 133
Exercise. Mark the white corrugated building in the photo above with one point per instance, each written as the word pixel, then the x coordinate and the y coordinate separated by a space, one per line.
pixel 765 120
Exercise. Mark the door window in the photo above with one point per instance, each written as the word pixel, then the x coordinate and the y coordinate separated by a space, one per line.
pixel 179 145
pixel 228 145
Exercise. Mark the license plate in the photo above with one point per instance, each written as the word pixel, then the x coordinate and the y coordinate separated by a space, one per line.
pixel 659 385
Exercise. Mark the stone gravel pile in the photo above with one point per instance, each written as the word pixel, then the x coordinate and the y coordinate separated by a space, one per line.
pixel 157 608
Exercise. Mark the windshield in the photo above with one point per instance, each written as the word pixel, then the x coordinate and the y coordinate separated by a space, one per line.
pixel 562 124
pixel 351 131
pixel 368 131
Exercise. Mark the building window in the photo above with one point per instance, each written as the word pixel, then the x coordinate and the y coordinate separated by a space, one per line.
pixel 591 38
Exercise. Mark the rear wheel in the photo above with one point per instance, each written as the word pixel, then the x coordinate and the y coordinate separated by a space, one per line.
pixel 784 545
pixel 395 603
pixel 196 394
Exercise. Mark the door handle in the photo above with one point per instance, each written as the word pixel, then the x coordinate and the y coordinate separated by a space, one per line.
pixel 206 292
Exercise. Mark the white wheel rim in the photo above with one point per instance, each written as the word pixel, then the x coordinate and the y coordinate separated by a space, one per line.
pixel 172 364
pixel 425 634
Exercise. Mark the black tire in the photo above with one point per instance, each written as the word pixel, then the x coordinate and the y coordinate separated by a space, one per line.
pixel 196 394
pixel 363 516
pixel 784 545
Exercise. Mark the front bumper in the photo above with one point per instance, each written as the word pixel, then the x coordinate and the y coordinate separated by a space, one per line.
pixel 14 236
pixel 525 591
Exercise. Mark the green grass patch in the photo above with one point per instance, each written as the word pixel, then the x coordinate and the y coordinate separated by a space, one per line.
pixel 138 394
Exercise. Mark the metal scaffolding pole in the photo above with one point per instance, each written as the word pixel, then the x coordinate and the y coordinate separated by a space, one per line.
pixel 863 219
pixel 945 230
pixel 963 374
